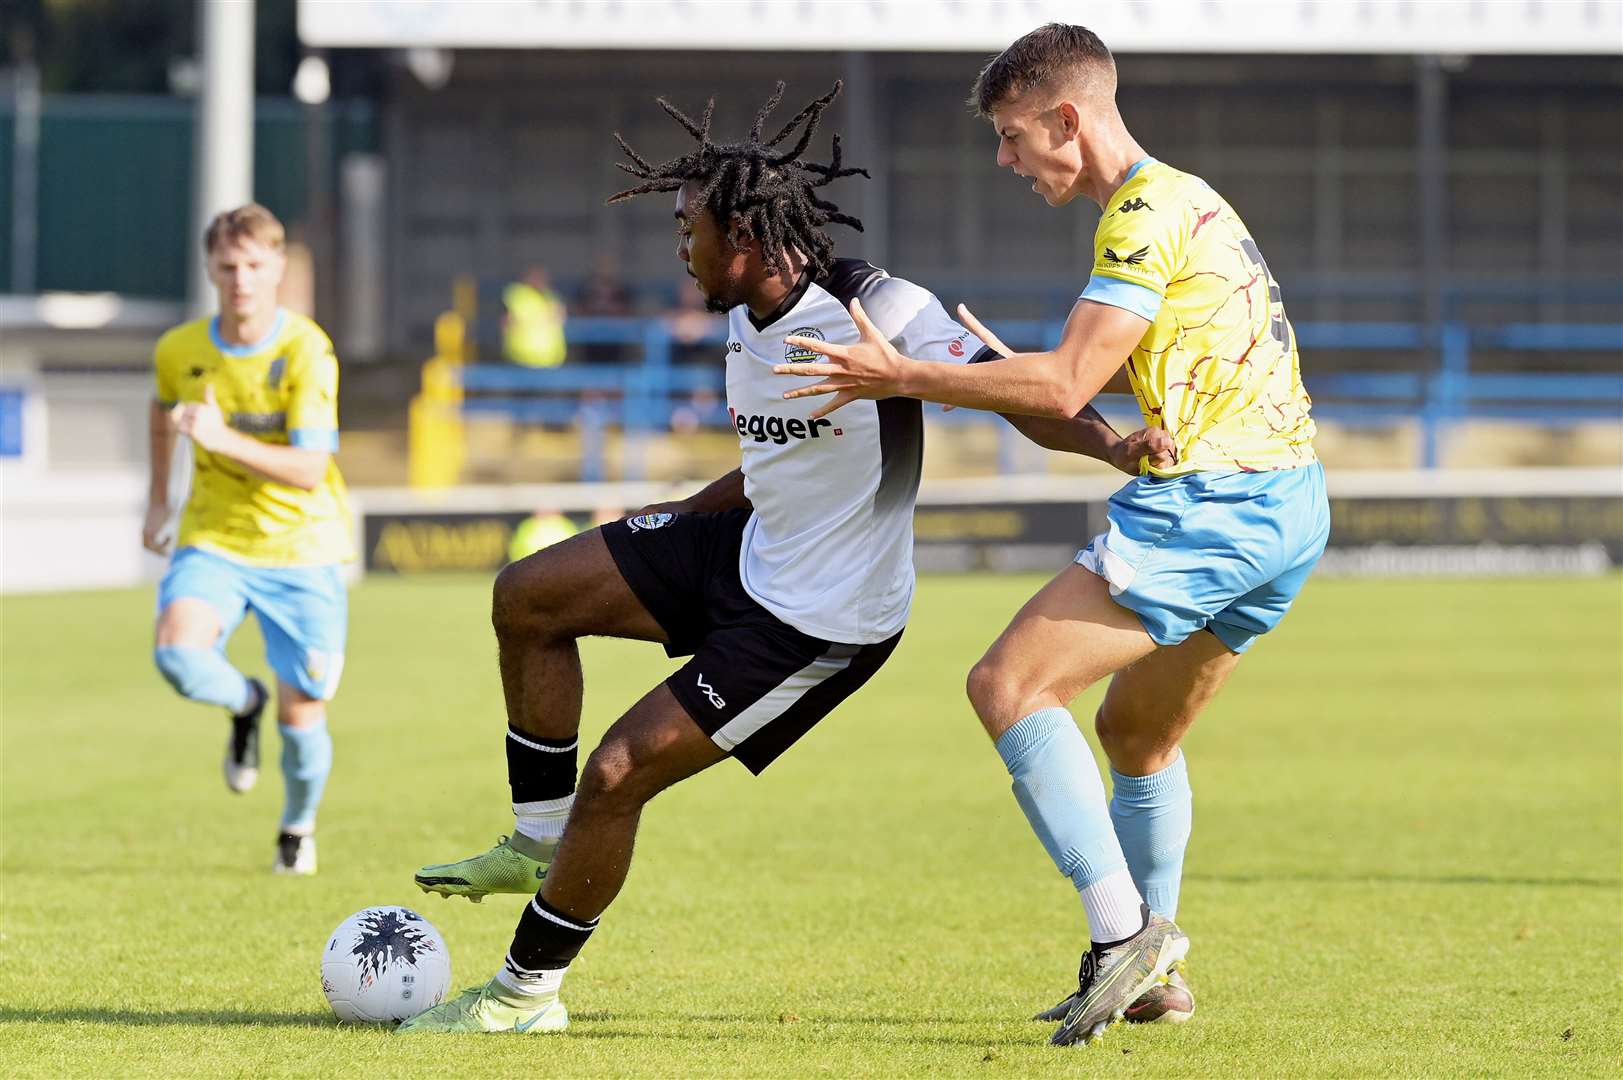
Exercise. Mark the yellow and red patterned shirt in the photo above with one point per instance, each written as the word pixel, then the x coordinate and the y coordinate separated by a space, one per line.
pixel 284 390
pixel 1218 368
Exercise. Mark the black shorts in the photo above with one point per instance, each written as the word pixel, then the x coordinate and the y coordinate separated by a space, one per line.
pixel 755 684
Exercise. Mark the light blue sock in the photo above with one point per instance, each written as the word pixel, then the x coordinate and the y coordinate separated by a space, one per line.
pixel 204 675
pixel 306 761
pixel 1056 782
pixel 1152 815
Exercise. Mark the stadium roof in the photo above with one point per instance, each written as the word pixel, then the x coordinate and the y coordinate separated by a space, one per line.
pixel 1196 26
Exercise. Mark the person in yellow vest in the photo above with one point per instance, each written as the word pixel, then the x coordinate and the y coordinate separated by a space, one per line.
pixel 533 327
pixel 541 529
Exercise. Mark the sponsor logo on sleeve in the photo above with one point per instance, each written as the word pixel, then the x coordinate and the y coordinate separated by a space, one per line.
pixel 1127 260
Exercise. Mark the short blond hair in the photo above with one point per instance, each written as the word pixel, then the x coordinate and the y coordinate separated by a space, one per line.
pixel 250 222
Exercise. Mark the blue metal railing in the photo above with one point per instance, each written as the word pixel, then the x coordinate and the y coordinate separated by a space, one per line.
pixel 644 396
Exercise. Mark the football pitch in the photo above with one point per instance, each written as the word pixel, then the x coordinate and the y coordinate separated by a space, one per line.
pixel 1407 858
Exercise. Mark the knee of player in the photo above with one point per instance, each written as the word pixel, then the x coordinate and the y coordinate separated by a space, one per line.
pixel 1109 727
pixel 1130 743
pixel 524 598
pixel 610 778
pixel 181 667
pixel 992 694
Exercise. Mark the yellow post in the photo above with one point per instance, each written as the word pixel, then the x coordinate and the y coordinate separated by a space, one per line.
pixel 438 443
pixel 465 303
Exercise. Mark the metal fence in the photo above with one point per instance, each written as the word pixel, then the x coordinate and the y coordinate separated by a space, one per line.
pixel 642 397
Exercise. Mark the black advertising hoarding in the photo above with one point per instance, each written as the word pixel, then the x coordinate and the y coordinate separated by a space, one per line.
pixel 1485 534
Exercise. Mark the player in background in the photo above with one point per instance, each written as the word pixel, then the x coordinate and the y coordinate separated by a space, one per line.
pixel 788 581
pixel 267 522
pixel 1204 553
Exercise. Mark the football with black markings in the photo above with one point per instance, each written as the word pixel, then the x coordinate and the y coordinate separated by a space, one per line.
pixel 384 965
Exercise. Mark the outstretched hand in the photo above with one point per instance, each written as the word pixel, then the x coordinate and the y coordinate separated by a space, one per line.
pixel 872 368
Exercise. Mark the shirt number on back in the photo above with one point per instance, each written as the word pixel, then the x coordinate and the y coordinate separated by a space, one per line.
pixel 1278 328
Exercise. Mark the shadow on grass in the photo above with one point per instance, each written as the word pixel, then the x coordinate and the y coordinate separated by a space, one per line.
pixel 180 1018
pixel 644 1025
pixel 1409 879
pixel 819 1027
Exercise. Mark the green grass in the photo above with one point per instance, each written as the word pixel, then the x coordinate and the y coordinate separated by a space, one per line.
pixel 1409 830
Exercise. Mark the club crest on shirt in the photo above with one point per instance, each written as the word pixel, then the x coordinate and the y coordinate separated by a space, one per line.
pixel 278 368
pixel 651 521
pixel 799 354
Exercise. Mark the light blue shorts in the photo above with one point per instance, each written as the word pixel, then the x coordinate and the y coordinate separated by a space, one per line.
pixel 1225 552
pixel 303 611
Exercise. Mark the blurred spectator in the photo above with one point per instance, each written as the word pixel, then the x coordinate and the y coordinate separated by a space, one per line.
pixel 542 529
pixel 689 323
pixel 533 325
pixel 604 295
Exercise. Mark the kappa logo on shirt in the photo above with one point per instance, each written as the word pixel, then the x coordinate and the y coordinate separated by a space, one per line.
pixel 1135 203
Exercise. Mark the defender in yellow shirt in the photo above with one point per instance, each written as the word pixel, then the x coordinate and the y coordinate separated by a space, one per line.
pixel 266 524
pixel 1206 548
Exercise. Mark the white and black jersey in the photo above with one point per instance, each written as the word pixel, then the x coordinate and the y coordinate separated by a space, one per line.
pixel 788 608
pixel 829 549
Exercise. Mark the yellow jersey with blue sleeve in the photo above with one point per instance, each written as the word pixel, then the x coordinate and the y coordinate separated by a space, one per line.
pixel 282 389
pixel 1217 369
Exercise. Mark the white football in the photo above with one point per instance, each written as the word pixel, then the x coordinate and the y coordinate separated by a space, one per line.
pixel 384 965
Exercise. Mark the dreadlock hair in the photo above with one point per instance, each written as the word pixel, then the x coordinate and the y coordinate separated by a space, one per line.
pixel 753 189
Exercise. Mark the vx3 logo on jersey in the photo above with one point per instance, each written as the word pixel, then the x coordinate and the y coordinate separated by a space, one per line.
pixel 1135 203
pixel 779 429
pixel 1131 260
pixel 710 692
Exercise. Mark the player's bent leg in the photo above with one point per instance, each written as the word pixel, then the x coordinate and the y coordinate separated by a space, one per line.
pixel 540 606
pixel 1066 638
pixel 188 652
pixel 1141 722
pixel 303 615
pixel 1149 706
pixel 1152 703
pixel 653 746
pixel 306 763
